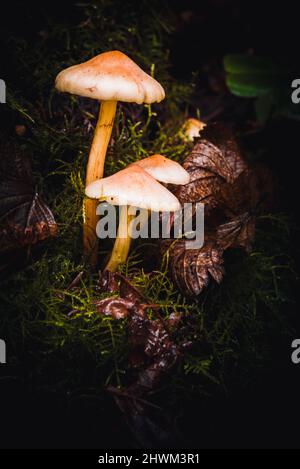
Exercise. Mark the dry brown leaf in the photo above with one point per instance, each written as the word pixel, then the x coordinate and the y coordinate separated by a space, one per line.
pixel 222 137
pixel 239 232
pixel 25 219
pixel 233 194
pixel 192 269
pixel 214 160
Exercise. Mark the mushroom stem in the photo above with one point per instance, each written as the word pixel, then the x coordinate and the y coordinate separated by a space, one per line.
pixel 123 242
pixel 95 169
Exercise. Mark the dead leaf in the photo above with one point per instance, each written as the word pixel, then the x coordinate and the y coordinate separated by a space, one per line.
pixel 108 282
pixel 117 308
pixel 239 232
pixel 214 160
pixel 192 269
pixel 150 339
pixel 222 137
pixel 252 191
pixel 25 219
pixel 153 353
pixel 233 195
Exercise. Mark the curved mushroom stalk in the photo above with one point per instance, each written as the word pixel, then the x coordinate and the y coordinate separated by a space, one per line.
pixel 122 244
pixel 123 241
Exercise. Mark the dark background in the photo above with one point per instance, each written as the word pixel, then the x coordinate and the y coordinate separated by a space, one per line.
pixel 267 415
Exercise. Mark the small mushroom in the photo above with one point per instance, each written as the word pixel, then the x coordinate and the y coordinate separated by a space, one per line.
pixel 109 77
pixel 164 170
pixel 191 129
pixel 131 186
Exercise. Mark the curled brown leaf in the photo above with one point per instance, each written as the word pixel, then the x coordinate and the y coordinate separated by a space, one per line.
pixel 192 269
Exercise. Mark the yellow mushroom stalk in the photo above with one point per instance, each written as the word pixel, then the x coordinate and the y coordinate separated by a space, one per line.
pixel 95 170
pixel 122 243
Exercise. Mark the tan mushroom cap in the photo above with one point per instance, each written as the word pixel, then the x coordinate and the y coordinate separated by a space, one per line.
pixel 111 76
pixel 192 127
pixel 163 169
pixel 133 186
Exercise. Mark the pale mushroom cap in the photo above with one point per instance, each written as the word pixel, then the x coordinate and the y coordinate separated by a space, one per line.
pixel 111 76
pixel 133 186
pixel 163 169
pixel 192 127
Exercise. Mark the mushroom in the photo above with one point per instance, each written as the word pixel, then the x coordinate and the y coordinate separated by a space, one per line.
pixel 109 77
pixel 131 186
pixel 164 170
pixel 192 128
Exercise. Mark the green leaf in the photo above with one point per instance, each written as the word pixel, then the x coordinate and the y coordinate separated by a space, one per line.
pixel 258 77
pixel 251 86
pixel 251 65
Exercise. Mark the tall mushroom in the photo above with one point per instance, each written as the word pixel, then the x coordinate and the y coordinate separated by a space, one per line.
pixel 109 77
pixel 131 187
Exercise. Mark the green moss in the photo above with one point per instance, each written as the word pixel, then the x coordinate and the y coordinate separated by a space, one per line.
pixel 234 327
